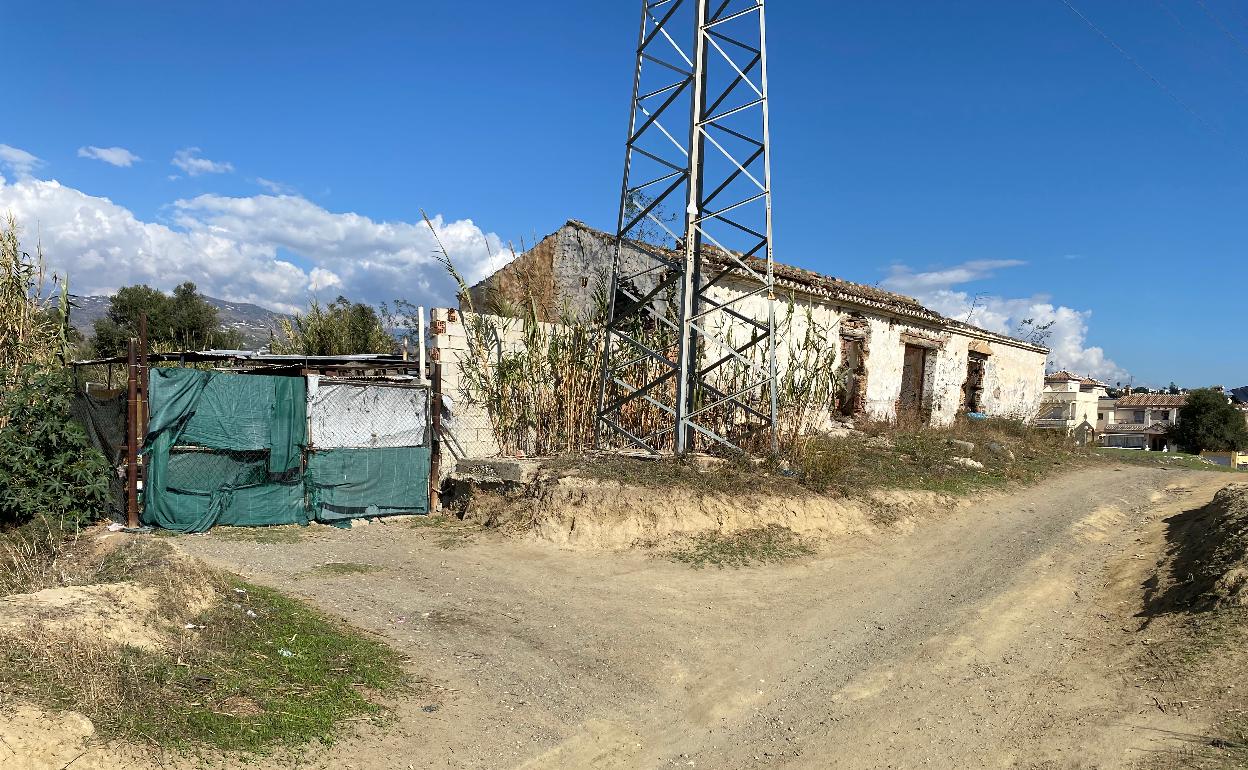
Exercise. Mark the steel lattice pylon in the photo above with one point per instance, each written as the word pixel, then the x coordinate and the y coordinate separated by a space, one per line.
pixel 690 332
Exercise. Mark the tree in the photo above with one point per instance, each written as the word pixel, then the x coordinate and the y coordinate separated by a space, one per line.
pixel 1209 423
pixel 340 328
pixel 184 320
pixel 1173 389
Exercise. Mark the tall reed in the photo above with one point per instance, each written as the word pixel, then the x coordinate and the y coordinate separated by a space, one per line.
pixel 34 323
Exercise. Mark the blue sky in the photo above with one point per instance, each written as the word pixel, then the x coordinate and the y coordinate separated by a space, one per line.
pixel 951 150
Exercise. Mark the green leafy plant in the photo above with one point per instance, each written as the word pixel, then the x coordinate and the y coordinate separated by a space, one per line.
pixel 49 468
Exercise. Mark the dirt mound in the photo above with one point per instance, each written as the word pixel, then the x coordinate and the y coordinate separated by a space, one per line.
pixel 116 612
pixel 1206 565
pixel 577 512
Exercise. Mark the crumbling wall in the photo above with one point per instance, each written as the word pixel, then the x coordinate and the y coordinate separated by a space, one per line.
pixel 950 377
pixel 1013 381
pixel 566 274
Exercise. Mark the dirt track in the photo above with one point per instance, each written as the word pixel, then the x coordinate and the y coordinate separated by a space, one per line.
pixel 991 636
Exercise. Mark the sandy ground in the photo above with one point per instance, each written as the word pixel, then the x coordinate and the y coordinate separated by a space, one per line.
pixel 999 634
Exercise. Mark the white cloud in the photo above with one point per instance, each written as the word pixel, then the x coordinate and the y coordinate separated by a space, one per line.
pixel 114 156
pixel 20 162
pixel 903 280
pixel 273 251
pixel 1068 334
pixel 189 161
pixel 277 188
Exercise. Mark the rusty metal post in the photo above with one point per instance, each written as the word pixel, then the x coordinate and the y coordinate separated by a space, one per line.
pixel 132 437
pixel 435 439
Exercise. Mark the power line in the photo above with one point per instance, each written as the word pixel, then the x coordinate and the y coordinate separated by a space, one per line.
pixel 1225 30
pixel 1193 37
pixel 1144 71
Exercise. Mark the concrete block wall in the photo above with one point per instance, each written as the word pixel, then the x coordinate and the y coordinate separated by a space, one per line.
pixel 468 433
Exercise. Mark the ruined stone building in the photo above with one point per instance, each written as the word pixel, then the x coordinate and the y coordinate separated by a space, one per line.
pixel 904 361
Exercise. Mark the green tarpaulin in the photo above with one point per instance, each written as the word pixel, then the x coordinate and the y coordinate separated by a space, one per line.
pixel 224 449
pixel 351 483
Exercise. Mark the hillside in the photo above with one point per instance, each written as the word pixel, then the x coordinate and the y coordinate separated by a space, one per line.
pixel 252 321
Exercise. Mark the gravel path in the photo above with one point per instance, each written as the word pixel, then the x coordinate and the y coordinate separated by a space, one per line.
pixel 988 636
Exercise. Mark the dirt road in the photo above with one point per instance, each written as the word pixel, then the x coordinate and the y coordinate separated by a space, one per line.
pixel 989 636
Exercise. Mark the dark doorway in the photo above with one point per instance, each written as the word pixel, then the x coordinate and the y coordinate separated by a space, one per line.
pixel 973 388
pixel 910 403
pixel 854 369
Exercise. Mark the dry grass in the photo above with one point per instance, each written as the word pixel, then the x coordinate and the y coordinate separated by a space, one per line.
pixel 763 545
pixel 338 568
pixel 880 457
pixel 893 457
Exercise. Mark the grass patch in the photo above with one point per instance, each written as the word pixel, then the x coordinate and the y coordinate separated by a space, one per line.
pixel 763 545
pixel 451 532
pixel 1176 460
pixel 890 457
pixel 28 553
pixel 265 535
pixel 345 568
pixel 430 521
pixel 264 671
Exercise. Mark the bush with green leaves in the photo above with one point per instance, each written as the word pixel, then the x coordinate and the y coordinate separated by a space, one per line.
pixel 49 468
pixel 1209 423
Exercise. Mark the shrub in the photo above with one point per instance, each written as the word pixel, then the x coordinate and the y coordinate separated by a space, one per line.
pixel 49 469
pixel 1209 423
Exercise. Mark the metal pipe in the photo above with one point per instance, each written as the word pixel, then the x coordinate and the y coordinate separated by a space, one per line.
pixel 421 330
pixel 435 439
pixel 132 436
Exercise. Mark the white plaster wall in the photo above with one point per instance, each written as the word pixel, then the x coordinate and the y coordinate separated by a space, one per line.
pixel 950 377
pixel 1013 377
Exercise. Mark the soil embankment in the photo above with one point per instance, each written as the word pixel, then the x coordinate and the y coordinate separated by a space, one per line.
pixel 1207 559
pixel 576 512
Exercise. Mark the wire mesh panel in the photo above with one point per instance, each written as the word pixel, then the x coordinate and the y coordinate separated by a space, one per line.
pixel 354 415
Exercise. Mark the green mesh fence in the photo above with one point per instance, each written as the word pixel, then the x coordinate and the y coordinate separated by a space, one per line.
pixel 350 483
pixel 230 449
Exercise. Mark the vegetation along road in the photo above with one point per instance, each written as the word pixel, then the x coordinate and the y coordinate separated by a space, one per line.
pixel 1006 633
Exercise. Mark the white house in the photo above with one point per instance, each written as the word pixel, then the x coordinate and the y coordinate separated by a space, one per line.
pixel 1142 421
pixel 1071 402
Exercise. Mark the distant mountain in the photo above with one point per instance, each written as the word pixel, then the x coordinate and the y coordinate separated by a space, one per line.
pixel 254 323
